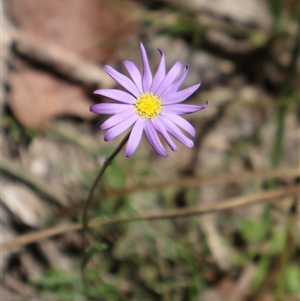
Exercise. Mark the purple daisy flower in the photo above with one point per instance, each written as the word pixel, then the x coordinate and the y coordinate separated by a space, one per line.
pixel 151 105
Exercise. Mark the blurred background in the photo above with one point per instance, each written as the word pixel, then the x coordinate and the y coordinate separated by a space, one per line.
pixel 246 55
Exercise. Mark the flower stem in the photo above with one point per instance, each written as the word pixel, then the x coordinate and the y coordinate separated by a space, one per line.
pixel 106 163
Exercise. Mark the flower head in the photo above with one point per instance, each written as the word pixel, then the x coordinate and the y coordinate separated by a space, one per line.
pixel 151 105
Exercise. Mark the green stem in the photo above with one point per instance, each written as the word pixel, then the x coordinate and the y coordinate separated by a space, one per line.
pixel 106 163
pixel 285 256
pixel 276 154
pixel 287 89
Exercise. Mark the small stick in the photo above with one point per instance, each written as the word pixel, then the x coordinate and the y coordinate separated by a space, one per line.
pixel 263 197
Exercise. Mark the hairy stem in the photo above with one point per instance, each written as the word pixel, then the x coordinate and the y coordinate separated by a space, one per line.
pixel 106 163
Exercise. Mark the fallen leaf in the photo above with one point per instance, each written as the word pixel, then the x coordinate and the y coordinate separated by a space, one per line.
pixel 93 29
pixel 36 97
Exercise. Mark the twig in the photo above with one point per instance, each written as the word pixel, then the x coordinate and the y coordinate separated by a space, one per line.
pixel 189 182
pixel 228 204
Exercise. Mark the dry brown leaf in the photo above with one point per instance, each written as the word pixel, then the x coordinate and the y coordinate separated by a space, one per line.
pixel 93 29
pixel 36 97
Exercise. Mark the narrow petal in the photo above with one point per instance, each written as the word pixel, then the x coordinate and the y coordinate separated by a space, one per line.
pixel 160 73
pixel 184 108
pixel 179 96
pixel 147 75
pixel 135 74
pixel 135 137
pixel 175 86
pixel 176 133
pixel 153 139
pixel 109 108
pixel 159 126
pixel 116 119
pixel 181 122
pixel 123 80
pixel 169 78
pixel 120 128
pixel 116 95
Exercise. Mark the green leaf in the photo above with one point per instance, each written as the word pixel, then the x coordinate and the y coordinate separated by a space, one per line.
pixel 293 279
pixel 92 251
pixel 277 241
pixel 254 230
pixel 262 270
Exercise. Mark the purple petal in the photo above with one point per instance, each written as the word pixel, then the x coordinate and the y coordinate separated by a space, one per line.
pixel 184 108
pixel 116 95
pixel 175 86
pixel 135 137
pixel 176 133
pixel 123 80
pixel 159 126
pixel 135 74
pixel 180 95
pixel 109 108
pixel 160 73
pixel 147 75
pixel 181 122
pixel 120 128
pixel 153 139
pixel 116 119
pixel 169 78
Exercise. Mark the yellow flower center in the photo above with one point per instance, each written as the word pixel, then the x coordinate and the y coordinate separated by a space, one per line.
pixel 148 105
